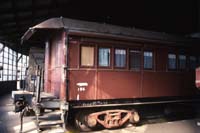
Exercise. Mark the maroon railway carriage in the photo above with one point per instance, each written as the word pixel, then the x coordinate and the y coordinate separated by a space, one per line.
pixel 197 81
pixel 92 65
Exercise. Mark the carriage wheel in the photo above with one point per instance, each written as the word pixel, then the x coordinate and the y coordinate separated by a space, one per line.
pixel 80 122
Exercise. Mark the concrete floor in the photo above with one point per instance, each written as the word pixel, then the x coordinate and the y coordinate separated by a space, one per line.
pixel 10 123
pixel 9 120
pixel 184 126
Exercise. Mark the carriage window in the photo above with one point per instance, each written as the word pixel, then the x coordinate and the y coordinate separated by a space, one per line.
pixel 120 57
pixel 192 62
pixel 135 59
pixel 172 61
pixel 87 56
pixel 182 62
pixel 148 60
pixel 104 57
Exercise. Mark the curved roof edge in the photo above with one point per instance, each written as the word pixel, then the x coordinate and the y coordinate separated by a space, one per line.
pixel 106 29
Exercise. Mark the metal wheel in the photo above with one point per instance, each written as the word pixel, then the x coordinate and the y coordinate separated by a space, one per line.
pixel 135 118
pixel 80 122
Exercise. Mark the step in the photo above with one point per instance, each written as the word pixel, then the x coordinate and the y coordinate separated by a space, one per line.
pixel 51 115
pixel 48 98
pixel 47 95
pixel 50 124
pixel 54 130
pixel 50 112
pixel 50 104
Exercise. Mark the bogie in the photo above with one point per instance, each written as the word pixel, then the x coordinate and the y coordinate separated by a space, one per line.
pixel 87 120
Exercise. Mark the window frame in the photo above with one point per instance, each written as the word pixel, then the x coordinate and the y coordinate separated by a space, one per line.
pixel 186 58
pixel 153 59
pixel 176 63
pixel 141 57
pixel 94 52
pixel 111 53
pixel 9 63
pixel 189 61
pixel 125 66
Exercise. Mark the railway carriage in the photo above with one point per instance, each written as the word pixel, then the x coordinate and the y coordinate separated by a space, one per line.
pixel 103 70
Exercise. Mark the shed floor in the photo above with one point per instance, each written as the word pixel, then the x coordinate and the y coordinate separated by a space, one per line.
pixel 10 123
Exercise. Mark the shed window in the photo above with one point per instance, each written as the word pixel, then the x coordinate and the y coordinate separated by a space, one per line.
pixel 5 54
pixel 172 61
pixel 135 59
pixel 1 57
pixel 120 57
pixel 87 56
pixel 192 62
pixel 182 62
pixel 148 60
pixel 6 49
pixel 104 57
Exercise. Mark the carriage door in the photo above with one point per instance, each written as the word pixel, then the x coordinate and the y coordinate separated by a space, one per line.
pixel 85 78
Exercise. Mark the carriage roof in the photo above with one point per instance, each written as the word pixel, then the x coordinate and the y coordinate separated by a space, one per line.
pixel 106 30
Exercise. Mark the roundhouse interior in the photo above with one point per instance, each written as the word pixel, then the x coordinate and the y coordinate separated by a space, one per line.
pixel 103 61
